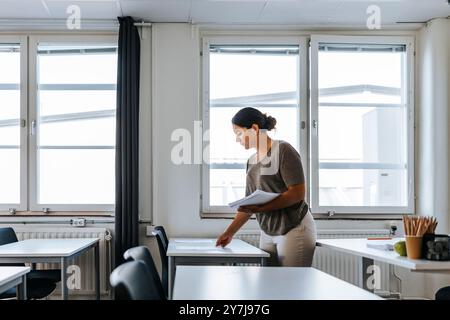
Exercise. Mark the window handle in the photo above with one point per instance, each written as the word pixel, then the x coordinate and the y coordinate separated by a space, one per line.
pixel 33 128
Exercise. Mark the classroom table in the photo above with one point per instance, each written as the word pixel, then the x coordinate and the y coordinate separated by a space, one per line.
pixel 52 250
pixel 195 251
pixel 262 283
pixel 358 247
pixel 14 277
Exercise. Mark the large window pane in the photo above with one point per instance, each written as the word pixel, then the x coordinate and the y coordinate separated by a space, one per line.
pixel 76 124
pixel 76 176
pixel 363 128
pixel 9 123
pixel 264 77
pixel 10 176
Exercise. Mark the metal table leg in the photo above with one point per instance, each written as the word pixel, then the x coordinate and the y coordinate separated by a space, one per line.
pixel 64 289
pixel 97 271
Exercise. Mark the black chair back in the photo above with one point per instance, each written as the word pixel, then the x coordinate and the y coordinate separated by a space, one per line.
pixel 164 234
pixel 131 281
pixel 162 245
pixel 443 294
pixel 143 254
pixel 8 235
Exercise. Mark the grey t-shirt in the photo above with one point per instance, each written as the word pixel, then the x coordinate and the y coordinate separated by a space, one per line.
pixel 282 167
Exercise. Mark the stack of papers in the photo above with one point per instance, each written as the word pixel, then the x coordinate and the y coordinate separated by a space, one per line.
pixel 256 198
pixel 386 245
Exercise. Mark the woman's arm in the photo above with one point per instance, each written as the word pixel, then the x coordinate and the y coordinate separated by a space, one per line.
pixel 239 220
pixel 294 194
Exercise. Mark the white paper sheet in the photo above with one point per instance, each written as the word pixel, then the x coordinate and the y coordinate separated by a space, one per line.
pixel 256 198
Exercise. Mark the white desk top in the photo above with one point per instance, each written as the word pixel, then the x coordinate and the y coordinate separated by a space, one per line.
pixel 262 283
pixel 45 247
pixel 201 247
pixel 8 274
pixel 358 247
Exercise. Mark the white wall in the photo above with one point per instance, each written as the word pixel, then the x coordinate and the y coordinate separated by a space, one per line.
pixel 433 132
pixel 433 127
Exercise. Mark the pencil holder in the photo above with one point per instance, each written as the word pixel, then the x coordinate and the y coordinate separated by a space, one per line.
pixel 414 247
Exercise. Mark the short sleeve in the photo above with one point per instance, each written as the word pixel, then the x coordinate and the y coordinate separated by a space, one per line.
pixel 291 168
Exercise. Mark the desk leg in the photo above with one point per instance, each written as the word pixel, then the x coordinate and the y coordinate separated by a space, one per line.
pixel 368 274
pixel 97 271
pixel 64 289
pixel 22 289
pixel 171 275
pixel 263 262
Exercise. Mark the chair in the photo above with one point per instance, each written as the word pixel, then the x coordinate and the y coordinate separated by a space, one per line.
pixel 162 246
pixel 443 293
pixel 143 254
pixel 164 234
pixel 131 281
pixel 40 283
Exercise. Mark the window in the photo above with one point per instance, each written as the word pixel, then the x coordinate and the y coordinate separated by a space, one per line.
pixel 362 125
pixel 242 73
pixel 11 136
pixel 68 123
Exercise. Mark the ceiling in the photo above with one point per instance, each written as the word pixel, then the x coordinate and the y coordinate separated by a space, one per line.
pixel 280 12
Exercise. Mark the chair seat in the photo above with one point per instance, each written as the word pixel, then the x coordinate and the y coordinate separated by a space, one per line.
pixel 54 275
pixel 443 293
pixel 36 289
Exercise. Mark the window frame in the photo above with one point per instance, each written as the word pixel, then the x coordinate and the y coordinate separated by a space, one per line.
pixel 408 41
pixel 28 153
pixel 34 41
pixel 22 41
pixel 301 41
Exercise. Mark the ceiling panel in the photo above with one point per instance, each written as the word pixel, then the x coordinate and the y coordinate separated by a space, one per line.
pixel 100 9
pixel 158 10
pixel 219 11
pixel 310 12
pixel 15 9
pixel 393 11
pixel 299 11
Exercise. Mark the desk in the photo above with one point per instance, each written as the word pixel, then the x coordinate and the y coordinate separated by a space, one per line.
pixel 52 250
pixel 358 247
pixel 262 283
pixel 14 276
pixel 195 251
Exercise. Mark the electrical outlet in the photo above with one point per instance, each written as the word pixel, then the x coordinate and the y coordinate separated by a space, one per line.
pixel 78 222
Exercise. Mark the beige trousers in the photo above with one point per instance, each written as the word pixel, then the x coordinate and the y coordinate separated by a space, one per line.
pixel 295 248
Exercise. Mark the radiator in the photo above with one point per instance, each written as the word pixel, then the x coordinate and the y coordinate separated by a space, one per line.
pixel 84 261
pixel 341 265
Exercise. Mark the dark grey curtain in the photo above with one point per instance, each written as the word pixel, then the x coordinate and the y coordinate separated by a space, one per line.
pixel 127 139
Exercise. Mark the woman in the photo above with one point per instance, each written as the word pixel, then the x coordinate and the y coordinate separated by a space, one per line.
pixel 288 230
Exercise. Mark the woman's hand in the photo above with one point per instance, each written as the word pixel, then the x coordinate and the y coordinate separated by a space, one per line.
pixel 250 209
pixel 224 239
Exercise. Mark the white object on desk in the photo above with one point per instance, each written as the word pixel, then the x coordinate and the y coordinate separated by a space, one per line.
pixel 386 245
pixel 256 198
pixel 14 276
pixel 52 250
pixel 204 251
pixel 185 247
pixel 262 283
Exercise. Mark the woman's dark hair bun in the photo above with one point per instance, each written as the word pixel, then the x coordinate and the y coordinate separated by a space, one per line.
pixel 271 122
pixel 246 117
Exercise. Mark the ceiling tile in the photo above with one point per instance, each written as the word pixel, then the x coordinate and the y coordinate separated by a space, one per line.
pixel 14 9
pixel 157 10
pixel 221 11
pixel 100 9
pixel 298 11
